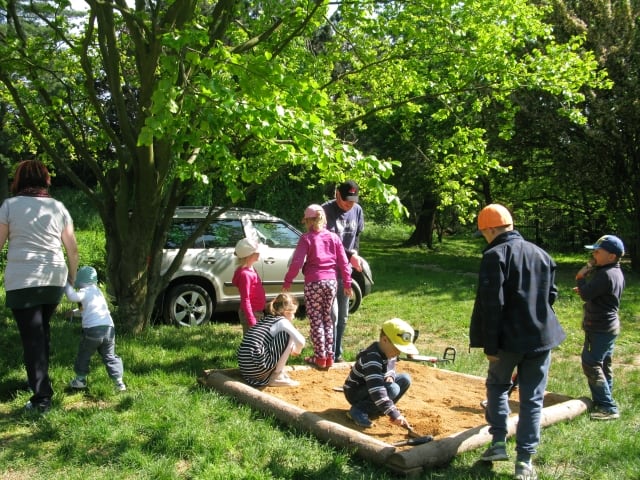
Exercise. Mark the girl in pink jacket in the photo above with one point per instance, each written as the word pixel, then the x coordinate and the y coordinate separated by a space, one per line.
pixel 245 277
pixel 321 257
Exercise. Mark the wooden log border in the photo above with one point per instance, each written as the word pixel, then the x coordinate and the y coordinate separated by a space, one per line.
pixel 407 460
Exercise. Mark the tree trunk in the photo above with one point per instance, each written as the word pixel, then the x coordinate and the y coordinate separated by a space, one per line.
pixel 129 250
pixel 425 223
pixel 4 182
pixel 632 245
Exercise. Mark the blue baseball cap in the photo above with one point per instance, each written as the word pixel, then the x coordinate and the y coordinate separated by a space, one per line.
pixel 610 243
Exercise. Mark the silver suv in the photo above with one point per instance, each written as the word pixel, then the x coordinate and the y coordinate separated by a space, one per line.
pixel 202 284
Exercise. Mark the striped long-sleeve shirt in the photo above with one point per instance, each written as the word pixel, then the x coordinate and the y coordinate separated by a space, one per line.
pixel 369 371
pixel 263 345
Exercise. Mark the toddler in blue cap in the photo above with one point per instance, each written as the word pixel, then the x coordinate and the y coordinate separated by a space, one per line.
pixel 98 330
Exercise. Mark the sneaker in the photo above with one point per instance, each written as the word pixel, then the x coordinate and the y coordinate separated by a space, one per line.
pixel 339 360
pixel 120 386
pixel 525 471
pixel 78 383
pixel 604 415
pixel 33 408
pixel 497 452
pixel 283 380
pixel 359 417
pixel 328 362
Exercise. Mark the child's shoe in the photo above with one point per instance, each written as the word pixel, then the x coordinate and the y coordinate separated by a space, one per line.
pixel 359 417
pixel 120 386
pixel 497 452
pixel 282 380
pixel 599 414
pixel 525 471
pixel 78 383
pixel 318 362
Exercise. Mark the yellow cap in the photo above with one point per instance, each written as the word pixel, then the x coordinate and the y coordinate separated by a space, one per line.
pixel 401 335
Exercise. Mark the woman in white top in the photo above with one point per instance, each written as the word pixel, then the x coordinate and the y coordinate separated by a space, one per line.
pixel 37 228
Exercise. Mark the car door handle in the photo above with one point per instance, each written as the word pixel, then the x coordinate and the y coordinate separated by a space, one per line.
pixel 270 261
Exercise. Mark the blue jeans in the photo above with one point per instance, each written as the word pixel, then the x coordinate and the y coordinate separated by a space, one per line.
pixel 103 340
pixel 360 398
pixel 597 353
pixel 533 371
pixel 339 314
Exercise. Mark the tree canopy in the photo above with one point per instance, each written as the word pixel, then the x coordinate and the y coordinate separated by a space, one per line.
pixel 160 98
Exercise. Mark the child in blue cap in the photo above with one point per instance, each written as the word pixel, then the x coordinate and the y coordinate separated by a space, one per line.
pixel 98 330
pixel 600 284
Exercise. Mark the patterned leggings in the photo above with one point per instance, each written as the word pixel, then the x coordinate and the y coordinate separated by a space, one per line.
pixel 318 299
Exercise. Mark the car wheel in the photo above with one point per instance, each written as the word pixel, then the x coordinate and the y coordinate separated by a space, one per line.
pixel 188 305
pixel 356 298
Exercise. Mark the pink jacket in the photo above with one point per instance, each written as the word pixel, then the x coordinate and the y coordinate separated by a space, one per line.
pixel 321 256
pixel 252 294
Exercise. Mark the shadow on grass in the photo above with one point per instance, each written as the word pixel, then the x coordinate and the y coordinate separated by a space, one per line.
pixel 168 349
pixel 10 386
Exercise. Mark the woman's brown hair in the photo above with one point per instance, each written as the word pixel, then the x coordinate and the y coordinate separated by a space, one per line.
pixel 30 174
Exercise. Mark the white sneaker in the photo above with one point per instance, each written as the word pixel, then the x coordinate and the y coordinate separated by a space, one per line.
pixel 120 386
pixel 282 380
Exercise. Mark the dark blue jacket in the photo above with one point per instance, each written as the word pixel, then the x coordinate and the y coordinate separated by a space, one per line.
pixel 516 291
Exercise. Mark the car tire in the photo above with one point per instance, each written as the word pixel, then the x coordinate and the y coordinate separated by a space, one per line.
pixel 356 298
pixel 188 305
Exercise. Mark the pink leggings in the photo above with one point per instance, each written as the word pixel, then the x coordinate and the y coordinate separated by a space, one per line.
pixel 318 299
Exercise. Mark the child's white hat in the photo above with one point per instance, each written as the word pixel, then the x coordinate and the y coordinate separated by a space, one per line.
pixel 246 247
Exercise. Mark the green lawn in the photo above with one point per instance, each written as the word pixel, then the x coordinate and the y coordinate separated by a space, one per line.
pixel 166 426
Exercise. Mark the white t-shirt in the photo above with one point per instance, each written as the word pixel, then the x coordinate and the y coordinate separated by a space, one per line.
pixel 35 257
pixel 95 311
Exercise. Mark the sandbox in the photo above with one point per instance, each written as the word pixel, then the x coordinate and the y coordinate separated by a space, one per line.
pixel 440 402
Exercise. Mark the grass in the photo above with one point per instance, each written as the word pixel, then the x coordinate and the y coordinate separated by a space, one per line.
pixel 166 426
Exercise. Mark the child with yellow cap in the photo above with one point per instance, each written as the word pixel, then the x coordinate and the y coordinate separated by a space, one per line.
pixel 373 388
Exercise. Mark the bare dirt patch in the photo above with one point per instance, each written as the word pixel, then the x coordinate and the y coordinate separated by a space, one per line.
pixel 438 403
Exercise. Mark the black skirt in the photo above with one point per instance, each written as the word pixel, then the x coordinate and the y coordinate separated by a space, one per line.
pixel 34 296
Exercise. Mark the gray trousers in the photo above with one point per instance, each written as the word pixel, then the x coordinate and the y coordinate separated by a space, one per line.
pixel 101 339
